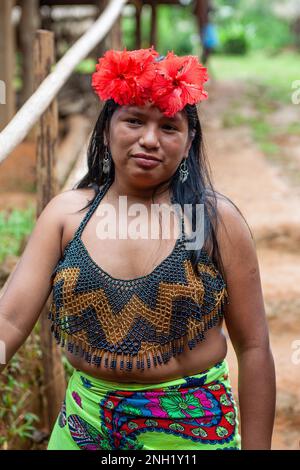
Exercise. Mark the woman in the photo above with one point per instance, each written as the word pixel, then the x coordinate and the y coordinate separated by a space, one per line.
pixel 141 317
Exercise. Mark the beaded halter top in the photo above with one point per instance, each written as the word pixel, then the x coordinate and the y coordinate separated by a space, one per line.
pixel 150 318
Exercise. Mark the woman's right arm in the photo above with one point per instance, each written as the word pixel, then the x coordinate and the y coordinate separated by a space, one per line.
pixel 30 284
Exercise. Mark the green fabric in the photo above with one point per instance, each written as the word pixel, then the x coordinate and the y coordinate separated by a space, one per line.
pixel 195 412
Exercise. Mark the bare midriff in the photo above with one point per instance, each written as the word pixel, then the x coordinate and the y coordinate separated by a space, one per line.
pixel 207 353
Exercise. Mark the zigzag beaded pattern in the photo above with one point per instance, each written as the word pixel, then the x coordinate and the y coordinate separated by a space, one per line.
pixel 149 318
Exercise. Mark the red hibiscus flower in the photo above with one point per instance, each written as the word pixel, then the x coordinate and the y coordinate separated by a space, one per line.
pixel 125 76
pixel 144 59
pixel 179 81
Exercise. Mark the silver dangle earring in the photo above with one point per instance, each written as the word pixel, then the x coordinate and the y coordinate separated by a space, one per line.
pixel 106 161
pixel 183 171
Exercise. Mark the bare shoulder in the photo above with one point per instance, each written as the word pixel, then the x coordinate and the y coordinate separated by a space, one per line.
pixel 64 211
pixel 234 234
pixel 231 217
pixel 73 199
pixel 68 206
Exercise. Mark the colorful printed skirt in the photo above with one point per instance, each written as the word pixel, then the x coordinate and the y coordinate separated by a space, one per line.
pixel 196 412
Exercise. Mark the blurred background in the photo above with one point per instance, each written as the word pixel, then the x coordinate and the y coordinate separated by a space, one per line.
pixel 252 137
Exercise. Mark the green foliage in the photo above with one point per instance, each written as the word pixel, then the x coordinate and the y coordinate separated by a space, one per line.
pixel 86 66
pixel 274 74
pixel 178 20
pixel 17 383
pixel 236 44
pixel 233 39
pixel 14 226
pixel 293 128
pixel 170 19
pixel 262 131
pixel 128 31
pixel 262 29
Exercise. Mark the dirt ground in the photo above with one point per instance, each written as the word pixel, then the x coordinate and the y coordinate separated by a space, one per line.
pixel 272 208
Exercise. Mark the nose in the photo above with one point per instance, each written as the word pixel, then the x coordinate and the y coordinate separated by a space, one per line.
pixel 149 137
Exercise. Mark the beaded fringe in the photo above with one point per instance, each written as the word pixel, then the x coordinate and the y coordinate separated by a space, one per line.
pixel 149 358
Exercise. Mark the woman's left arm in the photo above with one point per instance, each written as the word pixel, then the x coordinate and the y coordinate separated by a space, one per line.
pixel 246 323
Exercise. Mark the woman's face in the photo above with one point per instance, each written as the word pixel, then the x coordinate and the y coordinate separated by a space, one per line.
pixel 145 130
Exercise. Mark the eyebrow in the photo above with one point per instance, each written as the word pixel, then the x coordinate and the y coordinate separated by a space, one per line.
pixel 140 113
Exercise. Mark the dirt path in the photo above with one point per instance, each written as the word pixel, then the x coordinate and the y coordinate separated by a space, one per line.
pixel 272 209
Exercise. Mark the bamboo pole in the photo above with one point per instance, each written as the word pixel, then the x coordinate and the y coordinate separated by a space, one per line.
pixel 28 115
pixel 47 130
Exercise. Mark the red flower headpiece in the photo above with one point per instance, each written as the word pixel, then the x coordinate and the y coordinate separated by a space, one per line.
pixel 135 77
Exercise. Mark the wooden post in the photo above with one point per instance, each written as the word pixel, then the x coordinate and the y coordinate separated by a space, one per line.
pixel 54 379
pixel 104 44
pixel 153 32
pixel 116 35
pixel 30 22
pixel 201 12
pixel 7 63
pixel 138 25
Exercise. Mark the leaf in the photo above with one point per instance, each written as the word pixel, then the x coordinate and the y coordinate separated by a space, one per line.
pixel 225 400
pixel 199 432
pixel 176 427
pixel 230 417
pixel 221 432
pixel 214 387
pixel 151 422
pixel 132 425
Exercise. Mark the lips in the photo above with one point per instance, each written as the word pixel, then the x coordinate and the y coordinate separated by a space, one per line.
pixel 144 156
pixel 147 162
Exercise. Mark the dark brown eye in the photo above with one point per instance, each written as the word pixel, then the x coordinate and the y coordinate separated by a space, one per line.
pixel 134 121
pixel 169 128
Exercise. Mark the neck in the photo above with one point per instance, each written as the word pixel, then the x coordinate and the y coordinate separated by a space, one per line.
pixel 139 194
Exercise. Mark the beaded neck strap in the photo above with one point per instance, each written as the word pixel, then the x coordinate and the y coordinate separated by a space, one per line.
pixel 102 191
pixel 78 234
pixel 99 196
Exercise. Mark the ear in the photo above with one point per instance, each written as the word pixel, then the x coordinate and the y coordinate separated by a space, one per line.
pixel 106 136
pixel 105 139
pixel 190 141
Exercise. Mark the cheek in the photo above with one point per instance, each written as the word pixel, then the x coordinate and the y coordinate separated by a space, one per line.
pixel 121 138
pixel 174 149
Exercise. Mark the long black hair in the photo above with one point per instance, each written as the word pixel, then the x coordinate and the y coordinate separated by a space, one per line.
pixel 197 189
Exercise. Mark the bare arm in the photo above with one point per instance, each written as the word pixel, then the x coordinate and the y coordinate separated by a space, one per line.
pixel 30 285
pixel 248 330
